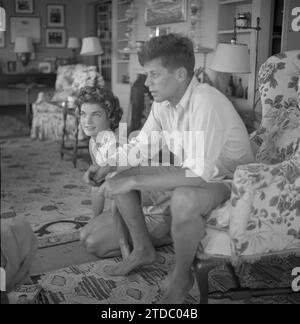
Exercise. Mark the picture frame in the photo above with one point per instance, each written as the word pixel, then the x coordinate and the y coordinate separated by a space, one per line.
pixel 11 66
pixel 44 67
pixel 2 39
pixel 159 12
pixel 55 38
pixel 27 27
pixel 24 6
pixel 56 15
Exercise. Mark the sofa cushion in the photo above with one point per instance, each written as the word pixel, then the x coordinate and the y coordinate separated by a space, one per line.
pixel 283 138
pixel 265 215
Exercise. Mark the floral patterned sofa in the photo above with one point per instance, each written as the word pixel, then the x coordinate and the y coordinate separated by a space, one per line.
pixel 47 122
pixel 263 215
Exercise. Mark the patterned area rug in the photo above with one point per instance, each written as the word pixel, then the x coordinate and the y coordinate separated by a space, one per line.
pixel 89 284
pixel 36 185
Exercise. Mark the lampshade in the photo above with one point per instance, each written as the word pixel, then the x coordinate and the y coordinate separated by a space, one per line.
pixel 23 45
pixel 73 42
pixel 91 46
pixel 231 58
pixel 2 19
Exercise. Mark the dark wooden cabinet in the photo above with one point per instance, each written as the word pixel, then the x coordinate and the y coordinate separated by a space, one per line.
pixel 47 79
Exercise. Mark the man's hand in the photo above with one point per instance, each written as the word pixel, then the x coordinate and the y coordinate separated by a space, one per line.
pixel 119 186
pixel 89 175
pixel 116 186
pixel 95 175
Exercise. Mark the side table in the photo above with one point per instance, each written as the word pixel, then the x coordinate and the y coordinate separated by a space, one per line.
pixel 71 150
pixel 27 87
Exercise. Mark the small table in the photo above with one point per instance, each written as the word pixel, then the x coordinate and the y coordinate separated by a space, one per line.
pixel 27 87
pixel 73 149
pixel 27 82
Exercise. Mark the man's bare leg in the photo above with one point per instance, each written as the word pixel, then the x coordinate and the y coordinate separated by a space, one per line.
pixel 97 201
pixel 188 207
pixel 143 252
pixel 121 231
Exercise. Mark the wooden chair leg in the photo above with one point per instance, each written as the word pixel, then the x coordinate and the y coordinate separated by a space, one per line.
pixel 234 275
pixel 201 271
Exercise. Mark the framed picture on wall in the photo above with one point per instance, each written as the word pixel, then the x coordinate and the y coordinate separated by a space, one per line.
pixel 56 38
pixel 24 6
pixel 158 12
pixel 55 15
pixel 27 27
pixel 2 39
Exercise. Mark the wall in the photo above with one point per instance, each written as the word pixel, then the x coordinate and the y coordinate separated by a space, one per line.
pixel 207 31
pixel 74 25
pixel 291 25
pixel 207 37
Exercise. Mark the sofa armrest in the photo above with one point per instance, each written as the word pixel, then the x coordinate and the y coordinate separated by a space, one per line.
pixel 265 208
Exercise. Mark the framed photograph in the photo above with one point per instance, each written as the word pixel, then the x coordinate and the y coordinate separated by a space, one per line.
pixel 27 27
pixel 24 6
pixel 2 39
pixel 158 12
pixel 45 67
pixel 11 66
pixel 56 38
pixel 55 15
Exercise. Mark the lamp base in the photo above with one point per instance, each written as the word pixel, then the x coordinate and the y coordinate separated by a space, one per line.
pixel 24 58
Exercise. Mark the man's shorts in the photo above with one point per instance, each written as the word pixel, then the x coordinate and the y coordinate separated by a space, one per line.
pixel 157 202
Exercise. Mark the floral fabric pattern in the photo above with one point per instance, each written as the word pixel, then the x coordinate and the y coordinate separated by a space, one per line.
pixel 47 120
pixel 266 206
pixel 264 209
pixel 265 201
pixel 277 80
pixel 283 138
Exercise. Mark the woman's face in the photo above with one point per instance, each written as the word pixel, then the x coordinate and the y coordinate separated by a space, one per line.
pixel 93 119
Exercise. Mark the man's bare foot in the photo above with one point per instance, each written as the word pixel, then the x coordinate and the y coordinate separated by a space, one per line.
pixel 136 259
pixel 177 289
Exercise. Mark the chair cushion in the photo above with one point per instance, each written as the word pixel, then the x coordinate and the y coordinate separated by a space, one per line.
pixel 283 138
pixel 217 243
pixel 265 215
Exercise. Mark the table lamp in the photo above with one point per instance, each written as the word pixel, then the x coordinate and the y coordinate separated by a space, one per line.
pixel 91 46
pixel 73 44
pixel 235 58
pixel 23 49
pixel 231 58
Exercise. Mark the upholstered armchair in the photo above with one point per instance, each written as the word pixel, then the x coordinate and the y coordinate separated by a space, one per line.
pixel 262 217
pixel 47 122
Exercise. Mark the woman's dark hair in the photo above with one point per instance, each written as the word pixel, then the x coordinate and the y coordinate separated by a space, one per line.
pixel 106 99
pixel 174 50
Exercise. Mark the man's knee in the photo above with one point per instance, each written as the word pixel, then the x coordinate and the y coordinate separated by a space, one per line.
pixel 91 245
pixel 188 203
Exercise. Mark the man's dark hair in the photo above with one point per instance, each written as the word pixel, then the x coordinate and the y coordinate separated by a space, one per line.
pixel 106 99
pixel 174 50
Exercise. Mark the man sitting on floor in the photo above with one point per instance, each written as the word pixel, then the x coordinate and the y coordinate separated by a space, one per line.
pixel 197 185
